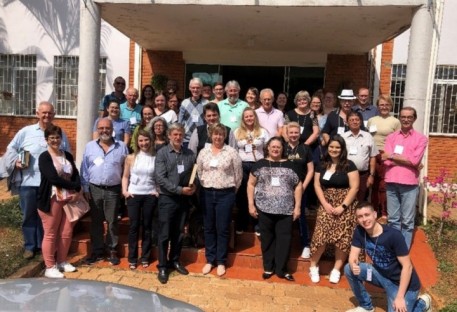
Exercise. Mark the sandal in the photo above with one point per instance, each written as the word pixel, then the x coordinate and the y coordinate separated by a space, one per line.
pixel 132 266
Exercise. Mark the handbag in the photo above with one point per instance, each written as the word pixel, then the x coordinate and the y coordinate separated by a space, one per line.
pixel 77 209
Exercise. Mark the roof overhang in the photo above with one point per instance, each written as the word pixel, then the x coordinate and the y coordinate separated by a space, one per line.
pixel 256 32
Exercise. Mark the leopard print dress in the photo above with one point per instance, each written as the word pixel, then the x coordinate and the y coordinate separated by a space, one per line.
pixel 331 229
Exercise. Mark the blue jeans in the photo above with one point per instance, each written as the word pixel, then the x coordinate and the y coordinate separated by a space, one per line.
pixel 217 214
pixel 32 227
pixel 413 304
pixel 401 208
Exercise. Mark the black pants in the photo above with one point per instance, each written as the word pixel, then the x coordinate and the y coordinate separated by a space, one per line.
pixel 243 217
pixel 140 206
pixel 275 240
pixel 173 212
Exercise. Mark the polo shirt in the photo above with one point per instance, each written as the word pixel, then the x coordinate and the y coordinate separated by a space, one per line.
pixel 271 121
pixel 231 114
pixel 133 115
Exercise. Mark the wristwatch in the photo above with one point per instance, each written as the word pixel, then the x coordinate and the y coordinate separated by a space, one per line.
pixel 344 206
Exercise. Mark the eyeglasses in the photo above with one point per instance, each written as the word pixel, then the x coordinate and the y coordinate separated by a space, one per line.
pixel 158 126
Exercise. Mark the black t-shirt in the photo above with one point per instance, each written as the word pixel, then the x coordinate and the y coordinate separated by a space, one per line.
pixel 301 155
pixel 384 250
pixel 338 179
pixel 306 121
pixel 334 121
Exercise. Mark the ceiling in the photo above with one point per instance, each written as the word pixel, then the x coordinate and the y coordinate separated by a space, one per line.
pixel 258 34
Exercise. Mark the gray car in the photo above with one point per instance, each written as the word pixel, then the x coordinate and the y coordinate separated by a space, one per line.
pixel 39 294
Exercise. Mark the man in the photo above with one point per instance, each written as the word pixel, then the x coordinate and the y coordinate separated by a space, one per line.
pixel 117 94
pixel 207 93
pixel 200 138
pixel 173 165
pixel 191 110
pixel 391 269
pixel 218 91
pixel 403 152
pixel 172 87
pixel 101 174
pixel 270 118
pixel 362 151
pixel 232 107
pixel 130 110
pixel 364 107
pixel 31 139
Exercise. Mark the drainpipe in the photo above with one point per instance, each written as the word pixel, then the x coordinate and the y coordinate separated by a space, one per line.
pixel 137 64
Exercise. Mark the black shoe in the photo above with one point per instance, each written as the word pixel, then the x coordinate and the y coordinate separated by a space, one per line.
pixel 163 276
pixel 94 258
pixel 180 268
pixel 266 275
pixel 287 277
pixel 113 259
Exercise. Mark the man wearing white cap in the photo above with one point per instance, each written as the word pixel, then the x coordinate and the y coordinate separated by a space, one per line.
pixel 337 120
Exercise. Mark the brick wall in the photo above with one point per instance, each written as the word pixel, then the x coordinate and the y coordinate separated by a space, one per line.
pixel 347 71
pixel 386 67
pixel 11 125
pixel 442 153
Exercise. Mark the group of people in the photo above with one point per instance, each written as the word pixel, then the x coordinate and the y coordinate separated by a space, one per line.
pixel 255 155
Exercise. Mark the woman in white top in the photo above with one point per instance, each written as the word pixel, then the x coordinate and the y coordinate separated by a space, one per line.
pixel 140 191
pixel 250 141
pixel 161 109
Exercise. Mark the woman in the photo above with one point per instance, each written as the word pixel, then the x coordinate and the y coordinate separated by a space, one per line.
pixel 220 173
pixel 274 192
pixel 121 128
pixel 250 140
pixel 302 114
pixel 252 98
pixel 140 192
pixel 380 127
pixel 330 103
pixel 158 127
pixel 60 183
pixel 316 108
pixel 281 102
pixel 147 113
pixel 301 155
pixel 147 96
pixel 161 109
pixel 173 103
pixel 336 182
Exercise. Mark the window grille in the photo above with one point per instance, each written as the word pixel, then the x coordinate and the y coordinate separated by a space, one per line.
pixel 17 84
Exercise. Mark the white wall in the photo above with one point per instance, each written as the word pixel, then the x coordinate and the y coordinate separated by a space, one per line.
pixel 51 29
pixel 447 54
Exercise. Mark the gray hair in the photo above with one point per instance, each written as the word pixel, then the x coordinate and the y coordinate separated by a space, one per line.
pixel 196 80
pixel 232 83
pixel 265 91
pixel 175 126
pixel 302 95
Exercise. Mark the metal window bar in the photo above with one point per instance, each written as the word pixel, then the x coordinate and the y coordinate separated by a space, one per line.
pixel 18 77
pixel 443 111
pixel 66 84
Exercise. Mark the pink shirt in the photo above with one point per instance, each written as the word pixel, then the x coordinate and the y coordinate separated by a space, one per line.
pixel 272 121
pixel 412 147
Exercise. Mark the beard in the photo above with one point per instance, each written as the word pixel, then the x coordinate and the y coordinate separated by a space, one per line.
pixel 233 99
pixel 105 137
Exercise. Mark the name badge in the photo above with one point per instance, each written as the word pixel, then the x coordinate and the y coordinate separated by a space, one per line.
pixel 365 123
pixel 66 168
pixel 340 130
pixel 302 129
pixel 98 161
pixel 398 149
pixel 114 133
pixel 327 175
pixel 233 118
pixel 213 163
pixel 248 148
pixel 180 169
pixel 133 120
pixel 195 118
pixel 353 150
pixel 373 128
pixel 369 274
pixel 275 181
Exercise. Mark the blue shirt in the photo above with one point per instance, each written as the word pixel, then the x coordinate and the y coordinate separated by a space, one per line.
pixel 131 115
pixel 108 98
pixel 367 113
pixel 102 168
pixel 191 115
pixel 120 127
pixel 31 138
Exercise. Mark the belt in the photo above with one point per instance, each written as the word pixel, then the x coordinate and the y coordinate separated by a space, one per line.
pixel 105 187
pixel 212 189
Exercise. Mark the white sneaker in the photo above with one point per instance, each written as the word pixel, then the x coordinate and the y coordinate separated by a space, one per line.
pixel 428 302
pixel 360 309
pixel 306 254
pixel 314 274
pixel 334 276
pixel 53 273
pixel 66 267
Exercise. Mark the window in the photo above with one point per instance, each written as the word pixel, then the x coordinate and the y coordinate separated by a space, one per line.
pixel 443 111
pixel 66 84
pixel 17 84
